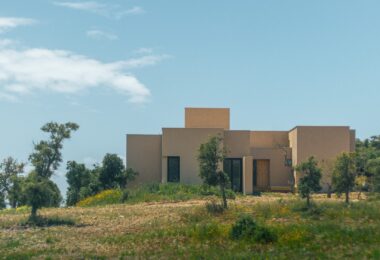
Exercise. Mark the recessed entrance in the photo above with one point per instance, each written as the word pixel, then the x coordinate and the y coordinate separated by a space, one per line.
pixel 261 175
pixel 233 167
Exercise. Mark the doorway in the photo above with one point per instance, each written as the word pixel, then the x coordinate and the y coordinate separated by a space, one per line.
pixel 261 175
pixel 234 169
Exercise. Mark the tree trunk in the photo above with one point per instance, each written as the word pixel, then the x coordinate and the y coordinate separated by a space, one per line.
pixel 33 214
pixel 359 194
pixel 329 191
pixel 308 201
pixel 347 197
pixel 224 198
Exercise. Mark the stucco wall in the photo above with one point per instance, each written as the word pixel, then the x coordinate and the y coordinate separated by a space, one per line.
pixel 144 156
pixel 247 174
pixel 207 118
pixel 279 174
pixel 322 142
pixel 269 139
pixel 185 142
pixel 237 143
pixel 325 143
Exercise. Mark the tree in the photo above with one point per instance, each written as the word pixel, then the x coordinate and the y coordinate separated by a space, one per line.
pixel 361 182
pixel 111 173
pixel 39 189
pixel 310 180
pixel 327 167
pixel 3 205
pixel 344 174
pixel 210 157
pixel 16 197
pixel 77 176
pixel 47 155
pixel 10 170
pixel 40 192
pixel 373 167
pixel 127 176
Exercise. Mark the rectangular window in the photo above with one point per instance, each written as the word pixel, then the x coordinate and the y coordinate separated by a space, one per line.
pixel 173 169
pixel 233 168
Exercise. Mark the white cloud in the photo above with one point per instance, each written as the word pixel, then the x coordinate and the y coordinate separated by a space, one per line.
pixel 7 23
pixel 107 10
pixel 8 97
pixel 98 35
pixel 6 42
pixel 40 70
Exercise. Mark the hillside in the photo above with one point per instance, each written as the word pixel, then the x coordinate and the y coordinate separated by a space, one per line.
pixel 186 230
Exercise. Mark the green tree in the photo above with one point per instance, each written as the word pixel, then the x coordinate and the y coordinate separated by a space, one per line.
pixel 310 180
pixel 344 174
pixel 127 176
pixel 210 157
pixel 77 176
pixel 373 167
pixel 47 155
pixel 3 205
pixel 10 170
pixel 111 174
pixel 39 190
pixel 16 197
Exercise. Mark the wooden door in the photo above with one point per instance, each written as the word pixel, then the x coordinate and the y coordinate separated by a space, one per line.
pixel 261 174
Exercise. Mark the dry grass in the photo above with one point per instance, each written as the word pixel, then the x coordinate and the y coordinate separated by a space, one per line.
pixel 158 230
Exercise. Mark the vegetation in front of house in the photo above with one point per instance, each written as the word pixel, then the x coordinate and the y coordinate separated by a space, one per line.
pixel 310 180
pixel 210 156
pixel 84 182
pixel 187 229
pixel 154 192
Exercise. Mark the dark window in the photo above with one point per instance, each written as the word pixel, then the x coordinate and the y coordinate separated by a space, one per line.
pixel 173 168
pixel 233 168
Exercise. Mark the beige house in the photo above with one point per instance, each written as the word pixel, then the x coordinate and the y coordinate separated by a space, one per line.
pixel 256 161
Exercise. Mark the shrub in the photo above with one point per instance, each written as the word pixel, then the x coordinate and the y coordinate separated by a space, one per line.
pixel 214 208
pixel 246 228
pixel 124 196
pixel 206 231
pixel 103 198
pixel 39 221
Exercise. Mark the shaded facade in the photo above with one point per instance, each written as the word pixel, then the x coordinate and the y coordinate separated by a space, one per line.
pixel 256 160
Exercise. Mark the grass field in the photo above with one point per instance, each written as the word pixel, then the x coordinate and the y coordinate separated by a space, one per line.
pixel 171 230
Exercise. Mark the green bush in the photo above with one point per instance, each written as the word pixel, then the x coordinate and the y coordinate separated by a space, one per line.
pixel 124 196
pixel 246 228
pixel 152 192
pixel 39 221
pixel 206 231
pixel 214 208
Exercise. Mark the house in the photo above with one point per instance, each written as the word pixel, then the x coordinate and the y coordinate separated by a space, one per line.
pixel 256 160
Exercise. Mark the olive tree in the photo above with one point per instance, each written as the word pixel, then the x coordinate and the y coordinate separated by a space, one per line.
pixel 46 158
pixel 344 174
pixel 310 180
pixel 210 157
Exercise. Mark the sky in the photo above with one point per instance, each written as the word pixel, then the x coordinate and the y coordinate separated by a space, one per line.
pixel 118 67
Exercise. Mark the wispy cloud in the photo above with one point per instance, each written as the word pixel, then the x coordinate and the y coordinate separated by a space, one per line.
pixel 7 23
pixel 6 42
pixel 107 10
pixel 99 35
pixel 37 70
pixel 144 51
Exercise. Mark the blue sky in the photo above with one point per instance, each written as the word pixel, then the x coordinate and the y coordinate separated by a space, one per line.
pixel 118 67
